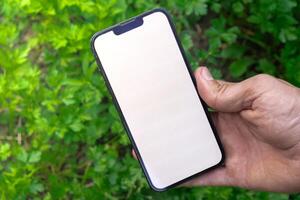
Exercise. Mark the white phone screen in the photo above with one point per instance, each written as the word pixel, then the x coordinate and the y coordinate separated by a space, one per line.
pixel 150 80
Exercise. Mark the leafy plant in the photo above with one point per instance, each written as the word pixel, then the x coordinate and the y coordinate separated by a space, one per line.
pixel 73 144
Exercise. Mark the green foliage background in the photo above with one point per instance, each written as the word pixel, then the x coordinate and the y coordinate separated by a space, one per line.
pixel 74 146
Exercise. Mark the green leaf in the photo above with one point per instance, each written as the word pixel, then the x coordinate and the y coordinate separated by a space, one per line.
pixel 278 197
pixel 76 126
pixel 216 7
pixel 187 41
pixel 288 35
pixel 266 66
pixel 233 51
pixel 22 155
pixel 21 55
pixel 113 111
pixel 229 37
pixel 36 188
pixel 239 67
pixel 4 151
pixel 238 7
pixel 34 157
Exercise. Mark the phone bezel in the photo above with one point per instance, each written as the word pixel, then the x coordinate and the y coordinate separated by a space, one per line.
pixel 123 120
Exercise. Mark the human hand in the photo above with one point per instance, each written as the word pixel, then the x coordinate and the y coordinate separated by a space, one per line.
pixel 258 122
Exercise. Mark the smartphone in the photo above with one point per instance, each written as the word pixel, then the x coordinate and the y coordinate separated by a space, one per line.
pixel 153 88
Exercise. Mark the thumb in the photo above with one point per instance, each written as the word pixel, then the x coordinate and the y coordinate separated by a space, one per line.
pixel 224 96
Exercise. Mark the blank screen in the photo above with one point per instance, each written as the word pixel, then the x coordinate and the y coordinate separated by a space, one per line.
pixel 153 87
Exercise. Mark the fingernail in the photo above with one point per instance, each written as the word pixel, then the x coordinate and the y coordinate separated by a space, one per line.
pixel 206 74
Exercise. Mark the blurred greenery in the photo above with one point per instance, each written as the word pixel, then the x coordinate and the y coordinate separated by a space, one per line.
pixel 73 144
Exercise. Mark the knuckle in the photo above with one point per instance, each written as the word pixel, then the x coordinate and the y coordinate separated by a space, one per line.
pixel 263 78
pixel 261 81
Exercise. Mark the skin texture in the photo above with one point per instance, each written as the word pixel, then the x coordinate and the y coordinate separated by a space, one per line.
pixel 258 122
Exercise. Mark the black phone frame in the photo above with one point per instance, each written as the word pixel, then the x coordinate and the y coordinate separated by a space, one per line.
pixel 123 120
